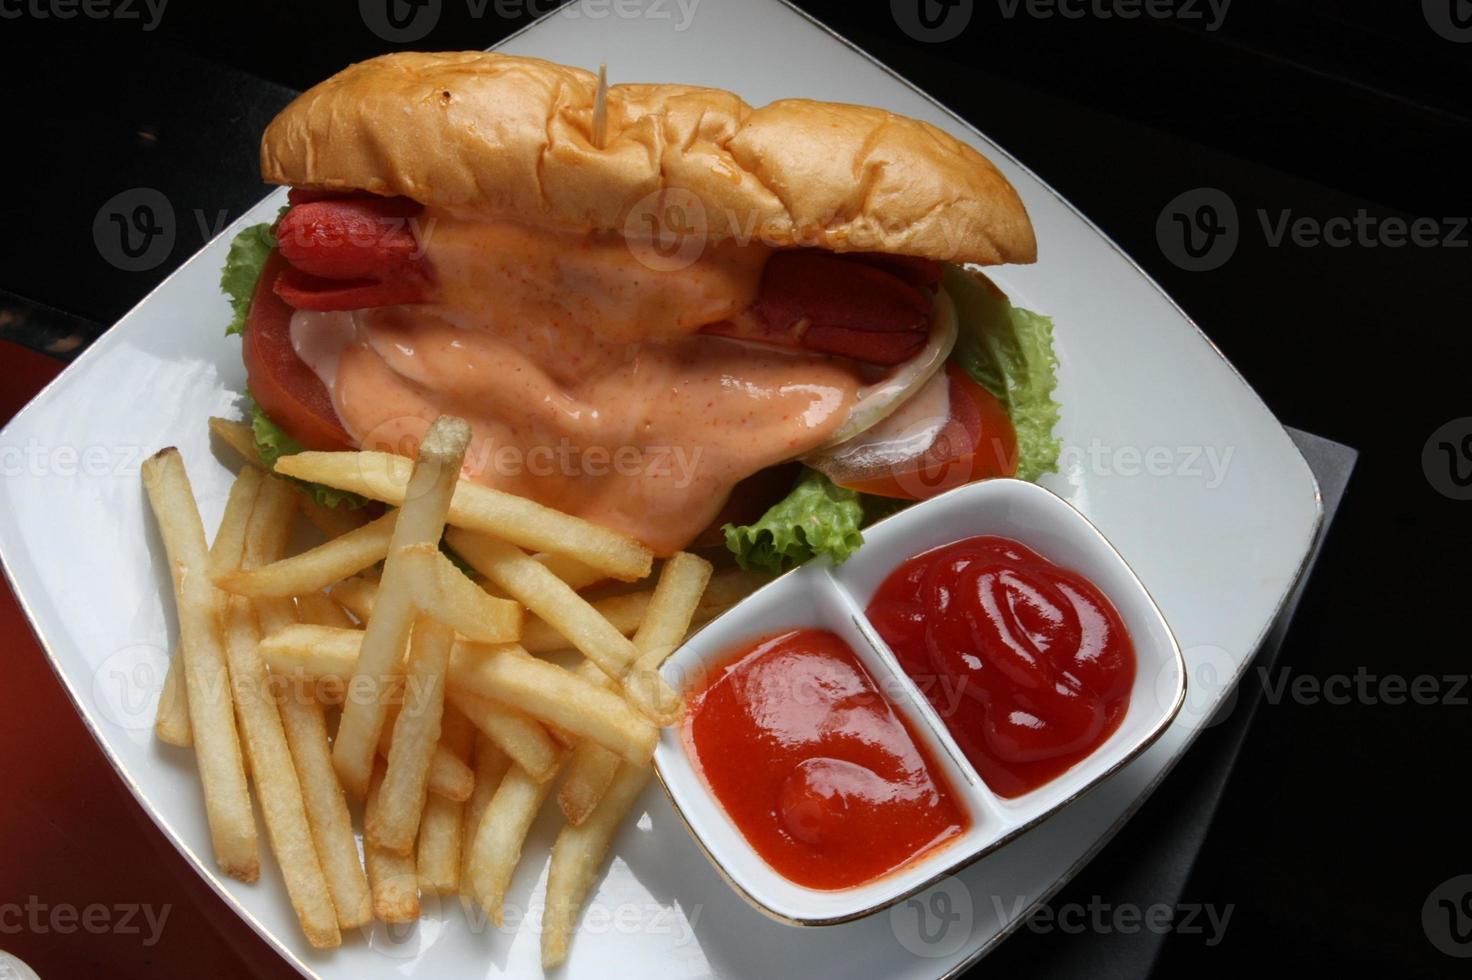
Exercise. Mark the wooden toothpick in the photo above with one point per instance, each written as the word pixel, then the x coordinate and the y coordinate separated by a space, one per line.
pixel 600 108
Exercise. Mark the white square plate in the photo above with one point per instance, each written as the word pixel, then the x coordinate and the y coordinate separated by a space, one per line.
pixel 1167 451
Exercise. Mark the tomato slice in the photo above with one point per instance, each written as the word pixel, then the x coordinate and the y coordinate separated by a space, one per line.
pixel 281 383
pixel 977 442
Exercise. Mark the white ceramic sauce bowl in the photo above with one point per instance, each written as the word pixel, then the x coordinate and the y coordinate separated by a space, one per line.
pixel 820 596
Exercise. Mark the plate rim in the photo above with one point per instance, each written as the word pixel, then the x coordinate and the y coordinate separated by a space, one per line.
pixel 213 879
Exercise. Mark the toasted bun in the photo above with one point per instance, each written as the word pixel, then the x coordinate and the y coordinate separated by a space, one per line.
pixel 507 136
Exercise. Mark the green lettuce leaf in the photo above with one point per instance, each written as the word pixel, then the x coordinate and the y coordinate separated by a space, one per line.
pixel 242 268
pixel 816 518
pixel 272 443
pixel 1009 352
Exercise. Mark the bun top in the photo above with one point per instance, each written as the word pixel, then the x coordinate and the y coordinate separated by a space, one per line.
pixel 506 136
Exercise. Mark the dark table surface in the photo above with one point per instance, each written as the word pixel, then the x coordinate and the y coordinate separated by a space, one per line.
pixel 1338 820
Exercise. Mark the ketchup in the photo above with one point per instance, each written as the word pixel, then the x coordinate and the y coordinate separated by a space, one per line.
pixel 822 776
pixel 1028 664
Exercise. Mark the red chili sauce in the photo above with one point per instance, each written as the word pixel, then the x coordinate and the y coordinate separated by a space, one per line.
pixel 818 771
pixel 1028 663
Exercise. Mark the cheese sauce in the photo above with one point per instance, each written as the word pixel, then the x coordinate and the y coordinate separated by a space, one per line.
pixel 580 372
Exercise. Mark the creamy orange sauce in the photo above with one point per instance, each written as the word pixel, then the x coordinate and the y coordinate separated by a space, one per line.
pixel 580 372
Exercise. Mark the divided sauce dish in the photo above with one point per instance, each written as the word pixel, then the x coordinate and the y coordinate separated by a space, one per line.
pixel 820 596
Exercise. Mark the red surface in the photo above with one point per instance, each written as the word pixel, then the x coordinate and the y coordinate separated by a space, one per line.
pixel 823 777
pixel 79 859
pixel 1028 663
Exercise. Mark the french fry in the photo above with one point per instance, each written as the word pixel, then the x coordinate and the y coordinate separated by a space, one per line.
pixel 579 575
pixel 623 612
pixel 272 768
pixel 318 568
pixel 578 856
pixel 305 724
pixel 332 521
pixel 315 608
pixel 415 735
pixel 211 708
pixel 449 777
pixel 239 437
pixel 520 736
pixel 442 824
pixel 491 765
pixel 500 837
pixel 682 583
pixel 426 500
pixel 504 673
pixel 171 724
pixel 441 590
pixel 523 522
pixel 327 807
pixel 531 583
pixel 356 595
pixel 392 877
pixel 549 693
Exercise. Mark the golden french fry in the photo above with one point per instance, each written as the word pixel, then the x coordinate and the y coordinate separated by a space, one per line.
pixel 356 595
pixel 682 584
pixel 623 612
pixel 318 568
pixel 238 436
pixel 384 476
pixel 509 674
pixel 575 573
pixel 171 724
pixel 578 856
pixel 416 733
pixel 449 777
pixel 530 582
pixel 524 739
pixel 426 500
pixel 392 877
pixel 505 673
pixel 327 807
pixel 272 768
pixel 441 590
pixel 317 609
pixel 491 765
pixel 501 835
pixel 211 708
pixel 441 826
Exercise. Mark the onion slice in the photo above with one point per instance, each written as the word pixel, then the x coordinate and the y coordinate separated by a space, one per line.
pixel 875 402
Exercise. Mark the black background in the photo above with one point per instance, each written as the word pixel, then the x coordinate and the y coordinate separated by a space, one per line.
pixel 1338 820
